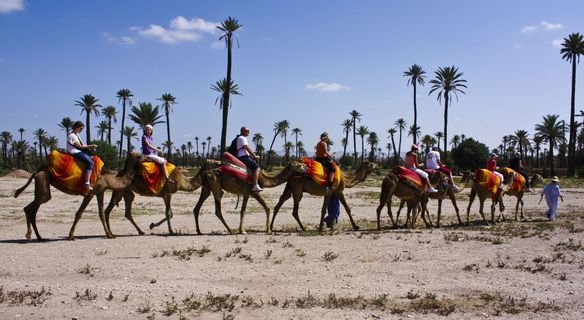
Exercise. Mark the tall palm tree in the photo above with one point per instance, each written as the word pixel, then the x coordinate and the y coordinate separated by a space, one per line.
pixel 197 146
pixel 414 131
pixel 373 141
pixel 21 131
pixel 209 144
pixel 392 133
pixel 145 114
pixel 102 128
pixel 203 144
pixel 89 105
pixel 110 114
pixel 439 136
pixel 167 102
pixel 287 147
pixel 447 81
pixel 550 130
pixel 51 142
pixel 400 124
pixel 522 137
pixel 280 128
pixel 455 141
pixel 572 48
pixel 228 28
pixel 226 88
pixel 355 116
pixel 257 140
pixel 537 141
pixel 415 76
pixel 66 124
pixel 296 132
pixel 41 135
pixel 125 96
pixel 130 133
pixel 6 138
pixel 362 131
pixel 347 125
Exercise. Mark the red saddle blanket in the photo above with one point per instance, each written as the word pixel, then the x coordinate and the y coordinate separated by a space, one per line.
pixel 488 180
pixel 153 176
pixel 318 173
pixel 234 167
pixel 409 175
pixel 518 181
pixel 69 171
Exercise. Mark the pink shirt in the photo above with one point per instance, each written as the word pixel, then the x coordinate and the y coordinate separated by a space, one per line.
pixel 492 164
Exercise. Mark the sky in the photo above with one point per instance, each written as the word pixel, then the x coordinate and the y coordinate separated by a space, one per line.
pixel 305 61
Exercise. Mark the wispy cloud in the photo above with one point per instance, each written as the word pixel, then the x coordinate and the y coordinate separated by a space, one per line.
pixel 557 43
pixel 7 6
pixel 180 30
pixel 123 40
pixel 327 87
pixel 544 25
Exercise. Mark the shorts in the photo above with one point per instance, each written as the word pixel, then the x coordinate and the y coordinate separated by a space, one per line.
pixel 249 162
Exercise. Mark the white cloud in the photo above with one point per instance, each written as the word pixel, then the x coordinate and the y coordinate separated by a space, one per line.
pixel 327 87
pixel 528 29
pixel 218 44
pixel 551 26
pixel 7 6
pixel 557 43
pixel 180 30
pixel 124 40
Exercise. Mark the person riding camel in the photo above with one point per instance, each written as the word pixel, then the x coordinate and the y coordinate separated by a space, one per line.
pixel 492 166
pixel 325 158
pixel 433 162
pixel 413 164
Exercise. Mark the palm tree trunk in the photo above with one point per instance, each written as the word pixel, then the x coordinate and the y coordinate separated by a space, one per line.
pixel 572 140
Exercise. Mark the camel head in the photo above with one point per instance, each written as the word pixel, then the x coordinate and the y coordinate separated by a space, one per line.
pixel 364 170
pixel 536 179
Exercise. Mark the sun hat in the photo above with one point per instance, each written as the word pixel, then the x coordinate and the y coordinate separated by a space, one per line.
pixel 493 155
pixel 148 127
pixel 555 179
pixel 415 146
pixel 323 135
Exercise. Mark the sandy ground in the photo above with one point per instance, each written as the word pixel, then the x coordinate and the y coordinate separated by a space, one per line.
pixel 512 270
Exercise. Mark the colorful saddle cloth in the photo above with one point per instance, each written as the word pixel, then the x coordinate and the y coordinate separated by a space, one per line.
pixel 488 180
pixel 69 171
pixel 153 176
pixel 408 175
pixel 234 167
pixel 317 172
pixel 518 181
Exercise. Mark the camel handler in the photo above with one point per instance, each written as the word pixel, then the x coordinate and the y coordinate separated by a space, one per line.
pixel 325 158
pixel 413 164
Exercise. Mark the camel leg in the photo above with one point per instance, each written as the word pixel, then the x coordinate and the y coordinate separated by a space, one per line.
pixel 346 206
pixel 262 202
pixel 242 214
pixel 439 213
pixel 30 211
pixel 129 196
pixel 78 214
pixel 522 216
pixel 453 200
pixel 501 208
pixel 205 193
pixel 384 199
pixel 285 196
pixel 323 211
pixel 218 195
pixel 42 194
pixel 424 209
pixel 471 198
pixel 115 199
pixel 99 196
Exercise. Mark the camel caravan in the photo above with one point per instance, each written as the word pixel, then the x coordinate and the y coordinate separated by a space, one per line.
pixel 144 177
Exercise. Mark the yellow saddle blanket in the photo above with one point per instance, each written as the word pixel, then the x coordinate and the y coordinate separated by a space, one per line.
pixel 518 181
pixel 69 171
pixel 317 172
pixel 153 175
pixel 487 180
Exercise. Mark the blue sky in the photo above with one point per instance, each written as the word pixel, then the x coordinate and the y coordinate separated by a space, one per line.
pixel 308 62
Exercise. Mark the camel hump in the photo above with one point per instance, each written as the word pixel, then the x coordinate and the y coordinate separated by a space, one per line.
pixel 226 156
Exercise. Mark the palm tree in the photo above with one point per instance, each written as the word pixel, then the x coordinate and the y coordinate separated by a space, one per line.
pixel 572 48
pixel 280 128
pixel 287 147
pixel 6 138
pixel 227 27
pixel 455 141
pixel 125 96
pixel 52 143
pixel 168 101
pixel 102 128
pixel 537 141
pixel 347 125
pixel 392 132
pixel 362 131
pixel 197 145
pixel 21 131
pixel 355 116
pixel 447 81
pixel 89 105
pixel 145 114
pixel 400 125
pixel 296 132
pixel 130 133
pixel 414 131
pixel 550 130
pixel 522 137
pixel 257 140
pixel 373 141
pixel 66 124
pixel 226 88
pixel 203 144
pixel 109 113
pixel 416 76
pixel 209 144
pixel 439 135
pixel 41 135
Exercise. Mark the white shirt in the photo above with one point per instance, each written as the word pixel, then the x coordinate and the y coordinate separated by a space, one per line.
pixel 71 139
pixel 432 160
pixel 241 142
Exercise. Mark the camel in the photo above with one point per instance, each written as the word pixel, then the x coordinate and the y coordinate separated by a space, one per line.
pixel 42 194
pixel 518 189
pixel 297 185
pixel 214 181
pixel 413 195
pixel 495 194
pixel 140 187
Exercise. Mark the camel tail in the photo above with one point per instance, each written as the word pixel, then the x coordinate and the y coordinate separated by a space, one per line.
pixel 17 192
pixel 236 203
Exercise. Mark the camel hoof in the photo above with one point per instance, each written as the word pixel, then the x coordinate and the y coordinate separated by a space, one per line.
pixel 356 228
pixel 110 236
pixel 72 238
pixel 152 225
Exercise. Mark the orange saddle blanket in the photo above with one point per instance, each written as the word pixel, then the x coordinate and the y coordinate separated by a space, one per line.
pixel 317 172
pixel 409 175
pixel 518 181
pixel 153 176
pixel 69 171
pixel 488 180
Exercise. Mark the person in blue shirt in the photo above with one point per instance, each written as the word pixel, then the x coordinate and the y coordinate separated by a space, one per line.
pixel 552 193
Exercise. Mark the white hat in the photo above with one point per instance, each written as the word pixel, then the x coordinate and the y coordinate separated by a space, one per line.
pixel 148 127
pixel 555 179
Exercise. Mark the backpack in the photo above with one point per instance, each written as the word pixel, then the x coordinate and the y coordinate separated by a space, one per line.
pixel 233 147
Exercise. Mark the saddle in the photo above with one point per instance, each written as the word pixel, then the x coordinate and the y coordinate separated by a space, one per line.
pixel 518 181
pixel 69 171
pixel 233 167
pixel 409 176
pixel 488 180
pixel 153 176
pixel 319 174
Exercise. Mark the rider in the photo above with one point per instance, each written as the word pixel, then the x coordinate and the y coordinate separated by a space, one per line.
pixel 492 166
pixel 247 156
pixel 325 158
pixel 413 164
pixel 516 163
pixel 433 162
